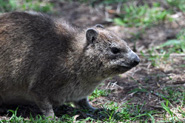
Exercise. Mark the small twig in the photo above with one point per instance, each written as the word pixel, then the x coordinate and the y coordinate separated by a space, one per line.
pixel 119 7
pixel 75 118
pixel 158 95
pixel 156 107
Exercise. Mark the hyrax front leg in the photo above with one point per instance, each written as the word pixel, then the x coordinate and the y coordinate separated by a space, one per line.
pixel 45 106
pixel 1 101
pixel 2 108
pixel 84 104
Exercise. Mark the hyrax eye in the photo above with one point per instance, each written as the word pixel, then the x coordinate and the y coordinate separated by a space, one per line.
pixel 115 50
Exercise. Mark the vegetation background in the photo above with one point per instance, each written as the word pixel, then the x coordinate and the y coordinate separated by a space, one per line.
pixel 154 91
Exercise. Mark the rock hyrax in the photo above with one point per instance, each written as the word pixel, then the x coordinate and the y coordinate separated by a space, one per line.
pixel 48 62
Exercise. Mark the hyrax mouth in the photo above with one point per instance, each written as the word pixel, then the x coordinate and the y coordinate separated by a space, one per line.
pixel 128 63
pixel 133 60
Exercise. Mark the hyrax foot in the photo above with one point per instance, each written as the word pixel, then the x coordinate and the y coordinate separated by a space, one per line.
pixel 45 107
pixel 84 104
pixel 47 111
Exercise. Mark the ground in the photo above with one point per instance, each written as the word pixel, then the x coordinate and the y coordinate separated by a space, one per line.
pixel 149 84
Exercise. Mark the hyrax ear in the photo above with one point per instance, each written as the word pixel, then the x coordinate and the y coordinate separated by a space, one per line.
pixel 91 35
pixel 99 26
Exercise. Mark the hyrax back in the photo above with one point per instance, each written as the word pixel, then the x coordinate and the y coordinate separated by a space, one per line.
pixel 47 62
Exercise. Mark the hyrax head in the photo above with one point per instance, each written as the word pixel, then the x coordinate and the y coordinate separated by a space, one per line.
pixel 112 54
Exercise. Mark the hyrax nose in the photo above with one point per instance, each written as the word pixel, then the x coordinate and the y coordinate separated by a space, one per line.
pixel 136 60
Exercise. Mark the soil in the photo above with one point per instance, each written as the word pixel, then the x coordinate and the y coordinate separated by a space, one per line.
pixel 143 84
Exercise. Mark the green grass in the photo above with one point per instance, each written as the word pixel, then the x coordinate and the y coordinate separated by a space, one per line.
pixel 175 95
pixel 174 45
pixel 133 15
pixel 161 53
pixel 98 93
pixel 18 5
pixel 142 16
pixel 125 112
pixel 177 4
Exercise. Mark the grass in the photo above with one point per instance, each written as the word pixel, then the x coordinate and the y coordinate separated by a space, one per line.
pixel 177 4
pixel 18 5
pixel 124 112
pixel 160 54
pixel 133 15
pixel 174 45
pixel 99 93
pixel 137 16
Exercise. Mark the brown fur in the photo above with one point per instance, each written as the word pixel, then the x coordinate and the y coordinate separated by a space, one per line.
pixel 48 62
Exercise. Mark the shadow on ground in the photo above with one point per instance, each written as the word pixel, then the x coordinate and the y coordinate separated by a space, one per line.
pixel 27 111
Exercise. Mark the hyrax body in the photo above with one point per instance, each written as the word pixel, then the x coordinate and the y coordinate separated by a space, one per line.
pixel 47 62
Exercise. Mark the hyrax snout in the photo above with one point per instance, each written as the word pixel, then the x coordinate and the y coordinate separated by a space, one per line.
pixel 47 62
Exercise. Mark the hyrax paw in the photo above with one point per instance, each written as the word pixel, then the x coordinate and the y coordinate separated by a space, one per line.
pixel 99 110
